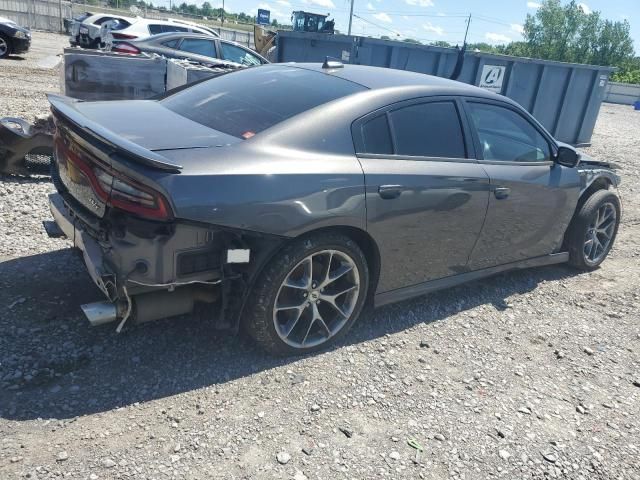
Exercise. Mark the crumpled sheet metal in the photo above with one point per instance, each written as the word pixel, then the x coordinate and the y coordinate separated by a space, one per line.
pixel 25 149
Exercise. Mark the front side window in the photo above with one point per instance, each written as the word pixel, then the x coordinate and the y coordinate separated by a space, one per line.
pixel 239 55
pixel 428 130
pixel 505 135
pixel 199 47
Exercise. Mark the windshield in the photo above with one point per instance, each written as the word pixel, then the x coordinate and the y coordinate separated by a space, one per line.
pixel 246 102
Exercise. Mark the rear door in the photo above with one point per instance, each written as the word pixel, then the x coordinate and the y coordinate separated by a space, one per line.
pixel 532 197
pixel 426 194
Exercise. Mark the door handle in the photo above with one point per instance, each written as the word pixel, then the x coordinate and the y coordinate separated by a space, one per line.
pixel 389 192
pixel 501 192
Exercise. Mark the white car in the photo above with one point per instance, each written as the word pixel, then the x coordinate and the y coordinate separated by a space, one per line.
pixel 145 27
pixel 88 32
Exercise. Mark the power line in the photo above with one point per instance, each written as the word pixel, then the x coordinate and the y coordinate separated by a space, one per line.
pixel 377 25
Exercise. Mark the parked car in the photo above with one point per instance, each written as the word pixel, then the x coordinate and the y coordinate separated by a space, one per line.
pixel 87 32
pixel 144 28
pixel 283 198
pixel 191 46
pixel 14 39
pixel 69 22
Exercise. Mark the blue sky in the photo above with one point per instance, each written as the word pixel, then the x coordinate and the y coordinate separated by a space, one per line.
pixel 497 21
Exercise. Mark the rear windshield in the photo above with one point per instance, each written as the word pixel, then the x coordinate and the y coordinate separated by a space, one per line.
pixel 246 102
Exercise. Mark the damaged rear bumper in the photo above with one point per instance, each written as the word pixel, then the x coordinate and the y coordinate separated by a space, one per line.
pixel 129 298
pixel 91 251
pixel 177 277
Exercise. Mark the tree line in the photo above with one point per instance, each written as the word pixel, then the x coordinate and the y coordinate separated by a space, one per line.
pixel 204 10
pixel 569 34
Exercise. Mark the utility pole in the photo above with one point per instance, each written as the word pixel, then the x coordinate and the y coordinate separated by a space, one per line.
pixel 350 18
pixel 223 13
pixel 467 30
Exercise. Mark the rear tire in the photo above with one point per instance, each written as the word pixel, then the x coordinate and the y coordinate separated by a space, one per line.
pixel 593 230
pixel 5 46
pixel 308 296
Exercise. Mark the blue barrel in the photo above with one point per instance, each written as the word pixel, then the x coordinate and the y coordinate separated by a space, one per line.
pixel 636 105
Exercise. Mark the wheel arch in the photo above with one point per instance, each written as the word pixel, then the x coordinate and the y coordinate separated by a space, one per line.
pixel 364 241
pixel 601 182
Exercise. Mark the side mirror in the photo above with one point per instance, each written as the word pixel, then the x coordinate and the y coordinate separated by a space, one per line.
pixel 567 157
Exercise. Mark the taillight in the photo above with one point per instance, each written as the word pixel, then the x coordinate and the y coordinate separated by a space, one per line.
pixel 127 194
pixel 123 36
pixel 116 189
pixel 125 48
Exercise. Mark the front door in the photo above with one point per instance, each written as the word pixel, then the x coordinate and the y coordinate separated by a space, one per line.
pixel 532 198
pixel 426 198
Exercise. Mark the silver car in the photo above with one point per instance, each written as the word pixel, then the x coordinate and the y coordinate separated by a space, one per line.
pixel 281 199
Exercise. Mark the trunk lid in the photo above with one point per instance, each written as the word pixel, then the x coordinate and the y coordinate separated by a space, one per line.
pixel 135 138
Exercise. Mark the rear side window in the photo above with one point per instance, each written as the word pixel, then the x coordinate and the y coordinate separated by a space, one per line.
pixel 246 102
pixel 428 130
pixel 172 43
pixel 376 136
pixel 199 47
pixel 506 135
pixel 155 29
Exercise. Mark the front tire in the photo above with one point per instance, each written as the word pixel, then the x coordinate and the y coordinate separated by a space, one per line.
pixel 593 230
pixel 308 296
pixel 5 46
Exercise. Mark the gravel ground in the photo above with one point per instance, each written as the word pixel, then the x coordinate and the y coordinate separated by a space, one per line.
pixel 532 374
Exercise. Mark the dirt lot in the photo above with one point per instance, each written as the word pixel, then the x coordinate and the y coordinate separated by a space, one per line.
pixel 531 374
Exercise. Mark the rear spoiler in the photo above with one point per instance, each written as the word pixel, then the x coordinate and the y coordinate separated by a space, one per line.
pixel 64 106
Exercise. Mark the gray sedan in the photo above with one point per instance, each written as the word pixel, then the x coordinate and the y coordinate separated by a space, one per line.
pixel 282 199
pixel 191 46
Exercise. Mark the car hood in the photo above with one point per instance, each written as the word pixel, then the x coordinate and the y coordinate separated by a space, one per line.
pixel 13 25
pixel 151 126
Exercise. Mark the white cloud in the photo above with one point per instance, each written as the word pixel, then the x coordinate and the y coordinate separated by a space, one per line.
pixel 404 17
pixel 322 3
pixel 440 14
pixel 284 2
pixel 533 5
pixel 370 6
pixel 585 8
pixel 383 17
pixel 493 37
pixel 429 27
pixel 516 27
pixel 420 3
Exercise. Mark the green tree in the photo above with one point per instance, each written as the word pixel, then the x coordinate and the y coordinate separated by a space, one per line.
pixel 441 43
pixel 569 34
pixel 206 9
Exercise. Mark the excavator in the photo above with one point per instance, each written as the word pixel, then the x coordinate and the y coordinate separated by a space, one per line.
pixel 301 21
